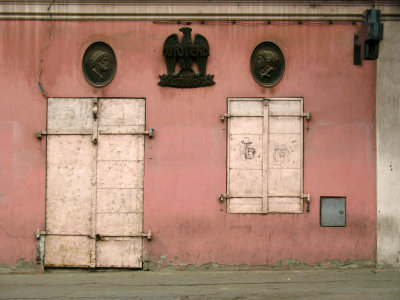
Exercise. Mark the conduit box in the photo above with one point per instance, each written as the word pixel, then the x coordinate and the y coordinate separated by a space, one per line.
pixel 333 211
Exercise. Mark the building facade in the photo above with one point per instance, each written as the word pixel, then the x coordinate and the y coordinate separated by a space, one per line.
pixel 188 133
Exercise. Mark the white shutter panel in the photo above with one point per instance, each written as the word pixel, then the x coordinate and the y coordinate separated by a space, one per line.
pixel 95 190
pixel 285 155
pixel 245 155
pixel 120 181
pixel 69 177
pixel 265 155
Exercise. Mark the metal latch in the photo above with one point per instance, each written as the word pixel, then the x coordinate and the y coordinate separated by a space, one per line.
pixel 224 116
pixel 95 109
pixel 308 197
pixel 222 197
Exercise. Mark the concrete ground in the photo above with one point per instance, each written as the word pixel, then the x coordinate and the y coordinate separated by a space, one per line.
pixel 294 284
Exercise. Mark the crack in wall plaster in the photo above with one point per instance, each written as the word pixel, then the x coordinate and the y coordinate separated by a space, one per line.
pixel 50 35
pixel 51 4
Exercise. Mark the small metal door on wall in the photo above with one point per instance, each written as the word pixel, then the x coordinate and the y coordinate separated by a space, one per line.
pixel 94 184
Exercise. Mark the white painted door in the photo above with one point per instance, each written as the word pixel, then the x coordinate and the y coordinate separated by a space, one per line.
pixel 95 172
pixel 265 155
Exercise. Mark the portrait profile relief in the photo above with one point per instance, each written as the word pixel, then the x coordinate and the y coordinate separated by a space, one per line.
pixel 99 64
pixel 267 64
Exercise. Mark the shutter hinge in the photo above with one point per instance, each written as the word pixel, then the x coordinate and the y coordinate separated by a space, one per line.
pixel 40 133
pixel 308 197
pixel 39 233
pixel 150 133
pixel 307 116
pixel 224 116
pixel 221 197
pixel 40 251
pixel 147 235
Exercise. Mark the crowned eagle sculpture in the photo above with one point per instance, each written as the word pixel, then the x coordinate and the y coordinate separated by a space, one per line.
pixel 185 53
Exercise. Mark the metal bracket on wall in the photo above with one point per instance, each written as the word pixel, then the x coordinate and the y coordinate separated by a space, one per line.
pixel 40 134
pixel 366 42
pixel 303 115
pixel 40 249
pixel 224 116
pixel 150 133
pixel 357 51
pixel 41 233
pixel 308 197
pixel 222 197
pixel 147 235
pixel 307 116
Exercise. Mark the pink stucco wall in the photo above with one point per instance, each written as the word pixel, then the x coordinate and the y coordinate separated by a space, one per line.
pixel 185 168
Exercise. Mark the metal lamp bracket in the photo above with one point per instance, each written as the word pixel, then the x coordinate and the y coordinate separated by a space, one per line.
pixel 366 42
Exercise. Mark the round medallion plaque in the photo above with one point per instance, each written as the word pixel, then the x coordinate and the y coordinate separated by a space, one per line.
pixel 99 64
pixel 267 64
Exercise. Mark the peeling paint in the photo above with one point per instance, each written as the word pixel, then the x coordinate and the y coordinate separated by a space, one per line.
pixel 162 259
pixel 288 264
pixel 21 266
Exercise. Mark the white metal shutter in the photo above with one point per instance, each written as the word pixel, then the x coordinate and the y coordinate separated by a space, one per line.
pixel 120 174
pixel 265 155
pixel 94 195
pixel 246 155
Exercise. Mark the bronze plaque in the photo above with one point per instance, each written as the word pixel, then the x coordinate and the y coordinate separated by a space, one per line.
pixel 99 64
pixel 185 53
pixel 267 64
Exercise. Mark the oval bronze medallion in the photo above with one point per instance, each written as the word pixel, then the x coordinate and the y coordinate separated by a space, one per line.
pixel 99 64
pixel 267 64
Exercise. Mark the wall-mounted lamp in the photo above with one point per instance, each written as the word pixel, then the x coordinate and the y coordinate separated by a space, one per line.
pixel 366 42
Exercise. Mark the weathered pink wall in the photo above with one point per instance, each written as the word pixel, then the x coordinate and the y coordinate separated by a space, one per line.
pixel 185 167
pixel 22 157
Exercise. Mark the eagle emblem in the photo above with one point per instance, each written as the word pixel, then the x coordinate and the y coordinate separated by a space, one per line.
pixel 185 53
